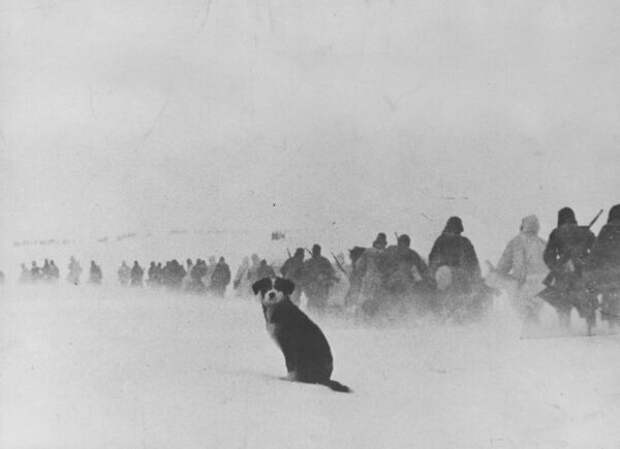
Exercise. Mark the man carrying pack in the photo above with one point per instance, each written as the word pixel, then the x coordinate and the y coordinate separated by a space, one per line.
pixel 566 254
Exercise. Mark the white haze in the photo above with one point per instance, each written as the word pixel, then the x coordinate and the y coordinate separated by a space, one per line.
pixel 340 119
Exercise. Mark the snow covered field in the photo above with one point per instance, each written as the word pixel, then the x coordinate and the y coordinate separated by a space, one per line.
pixel 82 367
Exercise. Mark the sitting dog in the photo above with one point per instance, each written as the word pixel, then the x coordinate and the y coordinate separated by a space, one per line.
pixel 305 348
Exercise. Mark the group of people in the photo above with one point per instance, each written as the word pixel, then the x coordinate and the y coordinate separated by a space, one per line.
pixel 572 270
pixel 50 272
pixel 196 277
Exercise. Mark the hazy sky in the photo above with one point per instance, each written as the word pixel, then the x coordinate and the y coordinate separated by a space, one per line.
pixel 123 115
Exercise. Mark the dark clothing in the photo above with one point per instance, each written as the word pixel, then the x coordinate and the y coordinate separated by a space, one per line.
pixel 264 271
pixel 293 269
pixel 95 274
pixel 137 273
pixel 566 255
pixel 455 251
pixel 220 279
pixel 405 271
pixel 604 269
pixel 319 275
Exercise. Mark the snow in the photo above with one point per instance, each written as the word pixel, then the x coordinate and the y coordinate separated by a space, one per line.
pixel 88 367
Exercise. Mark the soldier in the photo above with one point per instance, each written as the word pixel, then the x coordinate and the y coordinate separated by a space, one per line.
pixel 95 273
pixel 371 266
pixel 54 271
pixel 264 270
pixel 45 271
pixel 293 270
pixel 75 271
pixel 604 267
pixel 454 265
pixel 319 275
pixel 220 278
pixel 522 263
pixel 199 271
pixel 352 297
pixel 566 253
pixel 124 274
pixel 152 279
pixel 137 273
pixel 408 277
pixel 25 275
pixel 35 272
pixel 240 283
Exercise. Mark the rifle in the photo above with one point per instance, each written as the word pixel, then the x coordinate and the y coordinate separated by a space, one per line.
pixel 339 265
pixel 548 281
pixel 288 251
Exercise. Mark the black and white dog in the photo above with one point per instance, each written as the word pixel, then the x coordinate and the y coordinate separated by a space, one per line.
pixel 305 348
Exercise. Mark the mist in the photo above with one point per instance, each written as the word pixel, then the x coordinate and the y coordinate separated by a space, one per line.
pixel 349 117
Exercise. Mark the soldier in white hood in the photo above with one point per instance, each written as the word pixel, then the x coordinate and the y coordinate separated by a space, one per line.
pixel 523 263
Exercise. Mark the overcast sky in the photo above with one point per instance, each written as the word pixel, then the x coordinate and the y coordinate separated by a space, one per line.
pixel 124 115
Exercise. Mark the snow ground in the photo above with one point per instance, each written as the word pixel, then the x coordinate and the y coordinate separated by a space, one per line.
pixel 86 367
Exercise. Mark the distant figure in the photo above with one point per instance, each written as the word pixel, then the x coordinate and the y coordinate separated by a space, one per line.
pixel 153 275
pixel 522 262
pixel 220 278
pixel 353 296
pixel 454 265
pixel 264 270
pixel 137 273
pixel 199 271
pixel 25 275
pixel 95 275
pixel 241 283
pixel 187 279
pixel 371 267
pixel 45 271
pixel 408 281
pixel 319 275
pixel 1 277
pixel 35 272
pixel 566 254
pixel 210 269
pixel 75 271
pixel 293 269
pixel 54 271
pixel 604 267
pixel 124 274
pixel 253 270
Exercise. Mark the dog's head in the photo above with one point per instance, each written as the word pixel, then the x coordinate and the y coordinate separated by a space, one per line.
pixel 273 290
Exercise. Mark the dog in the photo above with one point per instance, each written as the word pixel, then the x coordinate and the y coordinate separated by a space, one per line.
pixel 306 352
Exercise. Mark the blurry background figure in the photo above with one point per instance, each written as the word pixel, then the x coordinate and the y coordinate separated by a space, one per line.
pixel 124 274
pixel 241 282
pixel 95 275
pixel 293 269
pixel 371 266
pixel 220 278
pixel 319 276
pixel 75 271
pixel 137 274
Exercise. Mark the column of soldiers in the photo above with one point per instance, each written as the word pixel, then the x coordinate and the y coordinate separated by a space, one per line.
pixel 196 277
pixel 573 270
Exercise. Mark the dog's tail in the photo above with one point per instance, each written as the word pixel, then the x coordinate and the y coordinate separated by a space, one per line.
pixel 337 386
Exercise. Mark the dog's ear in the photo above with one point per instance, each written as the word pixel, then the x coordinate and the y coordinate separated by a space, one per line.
pixel 261 285
pixel 286 286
